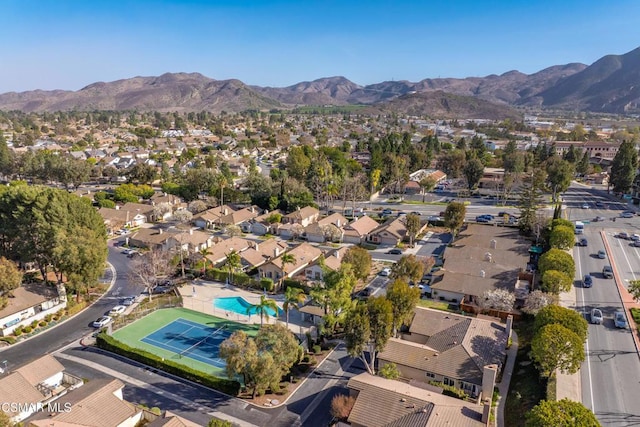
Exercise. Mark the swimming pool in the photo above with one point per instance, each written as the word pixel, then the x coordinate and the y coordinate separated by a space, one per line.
pixel 239 305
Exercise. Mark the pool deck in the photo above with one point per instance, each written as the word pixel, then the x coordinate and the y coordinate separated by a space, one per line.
pixel 199 296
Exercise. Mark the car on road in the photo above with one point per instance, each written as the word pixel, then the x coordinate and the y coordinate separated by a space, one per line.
pixel 602 254
pixel 416 213
pixel 623 235
pixel 127 301
pixel 484 218
pixel 598 219
pixel 626 215
pixel 583 242
pixel 587 281
pixel 596 316
pixel 128 251
pixel 620 320
pixel 635 237
pixel 385 272
pixel 585 206
pixel 117 310
pixel 394 251
pixel 434 218
pixel 387 212
pixel 102 321
pixel 636 243
pixel 599 204
pixel 607 272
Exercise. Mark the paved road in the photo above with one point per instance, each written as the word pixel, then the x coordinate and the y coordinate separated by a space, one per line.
pixel 610 375
pixel 77 327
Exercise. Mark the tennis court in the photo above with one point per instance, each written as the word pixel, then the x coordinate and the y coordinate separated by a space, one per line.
pixel 183 336
pixel 191 339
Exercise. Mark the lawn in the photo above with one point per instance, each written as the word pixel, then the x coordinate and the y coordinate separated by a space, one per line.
pixel 429 303
pixel 635 313
pixel 527 388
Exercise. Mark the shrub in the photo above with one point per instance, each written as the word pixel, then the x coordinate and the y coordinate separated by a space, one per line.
pixel 306 358
pixel 27 329
pixel 109 343
pixel 341 406
pixel 42 324
pixel 18 331
pixel 34 324
pixel 155 410
pixel 8 340
pixel 267 284
pixel 76 308
pixel 48 317
pixel 317 349
pixel 449 390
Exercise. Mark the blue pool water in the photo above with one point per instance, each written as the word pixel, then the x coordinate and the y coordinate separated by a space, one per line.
pixel 238 305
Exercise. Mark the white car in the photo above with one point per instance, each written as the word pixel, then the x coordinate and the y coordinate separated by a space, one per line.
pixel 117 310
pixel 585 206
pixel 626 215
pixel 385 271
pixel 128 251
pixel 101 322
pixel 596 316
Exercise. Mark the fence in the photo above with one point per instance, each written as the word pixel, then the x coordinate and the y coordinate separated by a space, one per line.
pixel 145 308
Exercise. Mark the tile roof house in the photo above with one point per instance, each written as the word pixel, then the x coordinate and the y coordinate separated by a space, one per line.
pixel 358 230
pixel 260 225
pixel 153 238
pixel 392 232
pixel 98 403
pixel 326 229
pixel 238 217
pixel 35 384
pixel 332 260
pixel 115 219
pixel 303 254
pixel 388 403
pixel 210 217
pixel 459 351
pixel 220 250
pixel 169 419
pixel 303 216
pixel 142 208
pixel 262 252
pixel 30 302
pixel 482 258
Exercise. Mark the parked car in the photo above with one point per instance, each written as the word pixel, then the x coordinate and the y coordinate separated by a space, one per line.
pixel 385 272
pixel 626 215
pixel 162 289
pixel 635 237
pixel 620 320
pixel 596 316
pixel 387 212
pixel 416 213
pixel 587 281
pixel 434 218
pixel 128 251
pixel 483 218
pixel 598 219
pixel 101 322
pixel 607 272
pixel 585 206
pixel 599 204
pixel 117 310
pixel 623 235
pixel 636 243
pixel 394 251
pixel 583 242
pixel 129 301
pixel 602 254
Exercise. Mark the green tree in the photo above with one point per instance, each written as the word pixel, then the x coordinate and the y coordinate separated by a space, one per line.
pixel 233 263
pixel 403 302
pixel 263 308
pixel 473 171
pixel 624 167
pixel 10 276
pixel 554 282
pixel 634 289
pixel 556 347
pixel 562 237
pixel 360 260
pixel 556 259
pixel 583 165
pixel 559 175
pixel 283 346
pixel 389 371
pixel 561 413
pixel 413 226
pixel 298 164
pixel 293 297
pixel 286 259
pixel 335 296
pixel 570 319
pixel 367 330
pixel 454 216
pixel 530 199
pixel 427 183
pixel 215 422
pixel 240 354
pixel 408 267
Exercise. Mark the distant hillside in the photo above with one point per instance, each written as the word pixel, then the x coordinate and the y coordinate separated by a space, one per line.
pixel 444 105
pixel 611 84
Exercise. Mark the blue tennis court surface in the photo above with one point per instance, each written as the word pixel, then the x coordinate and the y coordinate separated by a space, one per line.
pixel 190 339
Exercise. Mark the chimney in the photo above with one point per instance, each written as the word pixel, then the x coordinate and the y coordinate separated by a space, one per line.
pixel 486 411
pixel 338 223
pixel 253 210
pixel 493 244
pixel 489 373
pixel 337 254
pixel 257 246
pixel 225 211
pixel 160 232
pixel 276 252
pixel 191 231
pixel 117 207
pixel 509 326
pixel 488 257
pixel 482 273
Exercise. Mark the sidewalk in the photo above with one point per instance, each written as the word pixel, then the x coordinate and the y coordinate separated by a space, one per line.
pixel 507 372
pixel 568 385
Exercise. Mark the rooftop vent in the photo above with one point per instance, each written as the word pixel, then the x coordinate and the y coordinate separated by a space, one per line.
pixel 482 273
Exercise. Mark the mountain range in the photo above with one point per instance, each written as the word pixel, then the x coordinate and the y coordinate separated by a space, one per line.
pixel 609 85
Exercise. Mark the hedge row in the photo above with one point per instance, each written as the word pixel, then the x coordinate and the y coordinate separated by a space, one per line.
pixel 239 279
pixel 108 343
pixel 449 390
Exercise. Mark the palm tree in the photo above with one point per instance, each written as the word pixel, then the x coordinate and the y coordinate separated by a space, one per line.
pixel 286 259
pixel 263 307
pixel 204 252
pixel 293 297
pixel 233 263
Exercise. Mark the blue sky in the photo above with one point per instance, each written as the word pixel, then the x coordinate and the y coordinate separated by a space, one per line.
pixel 47 44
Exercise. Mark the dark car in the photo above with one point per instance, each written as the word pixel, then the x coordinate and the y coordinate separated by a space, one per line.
pixel 394 251
pixel 583 242
pixel 587 281
pixel 416 213
pixel 387 212
pixel 482 218
pixel 607 272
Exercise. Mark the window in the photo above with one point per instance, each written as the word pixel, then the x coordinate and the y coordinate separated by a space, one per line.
pixel 430 375
pixel 448 381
